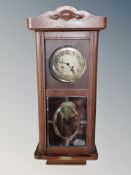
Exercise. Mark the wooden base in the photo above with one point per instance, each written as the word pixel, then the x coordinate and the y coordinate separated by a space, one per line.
pixel 65 160
pixel 72 161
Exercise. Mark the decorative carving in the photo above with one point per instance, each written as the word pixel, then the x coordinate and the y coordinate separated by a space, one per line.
pixel 66 15
pixel 56 20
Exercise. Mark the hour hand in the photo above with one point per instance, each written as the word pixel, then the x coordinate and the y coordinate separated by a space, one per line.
pixel 72 69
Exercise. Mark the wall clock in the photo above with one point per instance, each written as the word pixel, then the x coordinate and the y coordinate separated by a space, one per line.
pixel 66 53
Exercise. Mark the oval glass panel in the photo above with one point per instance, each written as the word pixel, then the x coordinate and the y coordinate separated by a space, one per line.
pixel 66 121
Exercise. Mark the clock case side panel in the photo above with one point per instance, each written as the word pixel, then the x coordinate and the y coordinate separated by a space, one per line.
pixel 92 90
pixel 41 149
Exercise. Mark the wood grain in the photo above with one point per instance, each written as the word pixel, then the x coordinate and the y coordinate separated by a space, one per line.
pixel 66 92
pixel 41 91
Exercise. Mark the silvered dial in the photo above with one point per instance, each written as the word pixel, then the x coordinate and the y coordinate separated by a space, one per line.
pixel 67 64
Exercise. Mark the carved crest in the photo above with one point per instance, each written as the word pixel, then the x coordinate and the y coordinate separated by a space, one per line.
pixel 66 15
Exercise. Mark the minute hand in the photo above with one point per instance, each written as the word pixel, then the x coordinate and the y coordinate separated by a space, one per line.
pixel 62 63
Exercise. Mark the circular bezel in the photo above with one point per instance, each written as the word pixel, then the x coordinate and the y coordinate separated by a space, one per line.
pixel 52 68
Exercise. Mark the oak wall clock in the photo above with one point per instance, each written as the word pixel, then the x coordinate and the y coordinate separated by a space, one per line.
pixel 66 53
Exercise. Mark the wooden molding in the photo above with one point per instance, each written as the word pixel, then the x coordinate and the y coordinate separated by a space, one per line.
pixel 66 159
pixel 66 18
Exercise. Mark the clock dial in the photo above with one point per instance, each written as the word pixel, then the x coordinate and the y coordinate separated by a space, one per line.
pixel 67 64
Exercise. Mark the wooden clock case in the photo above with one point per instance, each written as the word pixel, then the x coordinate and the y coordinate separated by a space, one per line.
pixel 53 29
